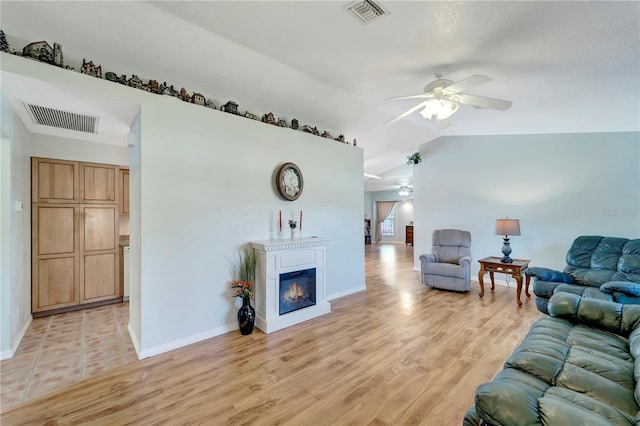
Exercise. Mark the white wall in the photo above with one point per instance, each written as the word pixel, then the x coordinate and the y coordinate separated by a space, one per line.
pixel 207 190
pixel 204 182
pixel 15 231
pixel 559 186
pixel 403 214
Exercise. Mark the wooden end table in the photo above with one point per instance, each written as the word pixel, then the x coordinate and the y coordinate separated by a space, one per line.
pixel 492 264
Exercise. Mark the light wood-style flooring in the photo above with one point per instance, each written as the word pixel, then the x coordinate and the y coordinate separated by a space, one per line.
pixel 399 353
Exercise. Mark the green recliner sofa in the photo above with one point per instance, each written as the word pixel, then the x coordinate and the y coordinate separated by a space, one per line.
pixel 606 268
pixel 578 366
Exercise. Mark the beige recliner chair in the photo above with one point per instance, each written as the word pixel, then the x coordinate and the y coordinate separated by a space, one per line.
pixel 448 267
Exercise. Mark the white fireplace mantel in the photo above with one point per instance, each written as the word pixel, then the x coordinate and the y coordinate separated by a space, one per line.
pixel 277 257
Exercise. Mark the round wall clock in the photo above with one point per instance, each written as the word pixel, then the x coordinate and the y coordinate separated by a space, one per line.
pixel 289 181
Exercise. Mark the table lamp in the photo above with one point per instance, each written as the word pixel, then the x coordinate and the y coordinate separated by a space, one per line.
pixel 507 227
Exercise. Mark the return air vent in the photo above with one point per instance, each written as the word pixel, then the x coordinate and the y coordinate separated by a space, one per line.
pixel 366 10
pixel 63 119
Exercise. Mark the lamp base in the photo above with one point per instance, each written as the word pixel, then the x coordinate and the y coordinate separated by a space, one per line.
pixel 506 250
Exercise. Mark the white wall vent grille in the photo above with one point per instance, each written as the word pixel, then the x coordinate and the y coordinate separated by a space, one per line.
pixel 63 119
pixel 366 10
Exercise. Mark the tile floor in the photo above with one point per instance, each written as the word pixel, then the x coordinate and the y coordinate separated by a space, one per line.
pixel 63 349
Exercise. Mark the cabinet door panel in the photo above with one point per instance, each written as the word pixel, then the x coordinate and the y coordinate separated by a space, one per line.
pixel 100 276
pixel 124 205
pixel 54 180
pixel 56 283
pixel 100 228
pixel 99 183
pixel 55 229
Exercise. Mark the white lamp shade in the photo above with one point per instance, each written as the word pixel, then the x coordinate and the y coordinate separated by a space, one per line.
pixel 507 227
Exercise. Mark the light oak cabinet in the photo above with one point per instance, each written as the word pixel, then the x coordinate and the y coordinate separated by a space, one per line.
pixel 55 258
pixel 75 232
pixel 99 263
pixel 59 181
pixel 124 192
pixel 99 183
pixel 54 181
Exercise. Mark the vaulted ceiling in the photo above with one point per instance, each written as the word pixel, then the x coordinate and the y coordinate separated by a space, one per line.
pixel 567 66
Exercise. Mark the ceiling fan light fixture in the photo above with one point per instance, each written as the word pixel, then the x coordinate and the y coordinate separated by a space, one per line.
pixel 441 109
pixel 448 108
pixel 404 191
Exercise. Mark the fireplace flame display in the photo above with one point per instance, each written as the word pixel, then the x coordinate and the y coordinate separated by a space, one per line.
pixel 297 290
pixel 295 293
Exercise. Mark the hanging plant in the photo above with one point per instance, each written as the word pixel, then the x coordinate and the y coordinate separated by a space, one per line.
pixel 414 159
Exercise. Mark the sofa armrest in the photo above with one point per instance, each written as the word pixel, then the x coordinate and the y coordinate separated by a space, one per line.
pixel 427 258
pixel 465 262
pixel 626 287
pixel 615 317
pixel 546 274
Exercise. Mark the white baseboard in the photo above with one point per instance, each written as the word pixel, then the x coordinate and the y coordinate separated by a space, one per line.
pixel 169 346
pixel 346 292
pixel 11 352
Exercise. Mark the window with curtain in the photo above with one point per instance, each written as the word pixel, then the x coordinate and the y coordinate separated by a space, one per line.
pixel 383 211
pixel 388 225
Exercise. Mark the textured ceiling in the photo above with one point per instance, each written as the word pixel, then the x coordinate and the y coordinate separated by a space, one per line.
pixel 567 66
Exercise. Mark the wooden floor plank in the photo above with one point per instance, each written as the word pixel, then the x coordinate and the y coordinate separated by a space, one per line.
pixel 398 353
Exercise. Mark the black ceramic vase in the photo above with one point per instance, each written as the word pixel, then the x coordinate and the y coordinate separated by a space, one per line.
pixel 246 316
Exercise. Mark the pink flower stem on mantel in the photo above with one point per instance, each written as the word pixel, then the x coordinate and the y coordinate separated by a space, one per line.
pixel 300 220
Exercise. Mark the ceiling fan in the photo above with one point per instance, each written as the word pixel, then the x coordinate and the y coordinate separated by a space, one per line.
pixel 442 97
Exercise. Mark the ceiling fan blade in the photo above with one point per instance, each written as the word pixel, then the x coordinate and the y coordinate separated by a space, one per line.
pixel 468 82
pixel 424 95
pixel 407 112
pixel 484 102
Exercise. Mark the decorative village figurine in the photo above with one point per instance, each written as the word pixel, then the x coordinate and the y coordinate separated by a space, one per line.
pixel 230 107
pixel 282 122
pixel 327 135
pixel 209 104
pixel 269 118
pixel 295 124
pixel 355 143
pixel 340 139
pixel 112 76
pixel 198 99
pixel 250 116
pixel 4 44
pixel 184 95
pixel 168 90
pixel 153 86
pixel 90 69
pixel 313 130
pixel 42 51
pixel 134 82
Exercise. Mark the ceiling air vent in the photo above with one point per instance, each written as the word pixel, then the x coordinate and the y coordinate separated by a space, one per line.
pixel 63 119
pixel 366 11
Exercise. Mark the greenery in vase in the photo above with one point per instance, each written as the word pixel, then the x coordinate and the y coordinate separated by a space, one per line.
pixel 414 159
pixel 293 224
pixel 244 273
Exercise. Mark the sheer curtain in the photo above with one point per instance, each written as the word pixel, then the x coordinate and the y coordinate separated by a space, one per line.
pixel 383 210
